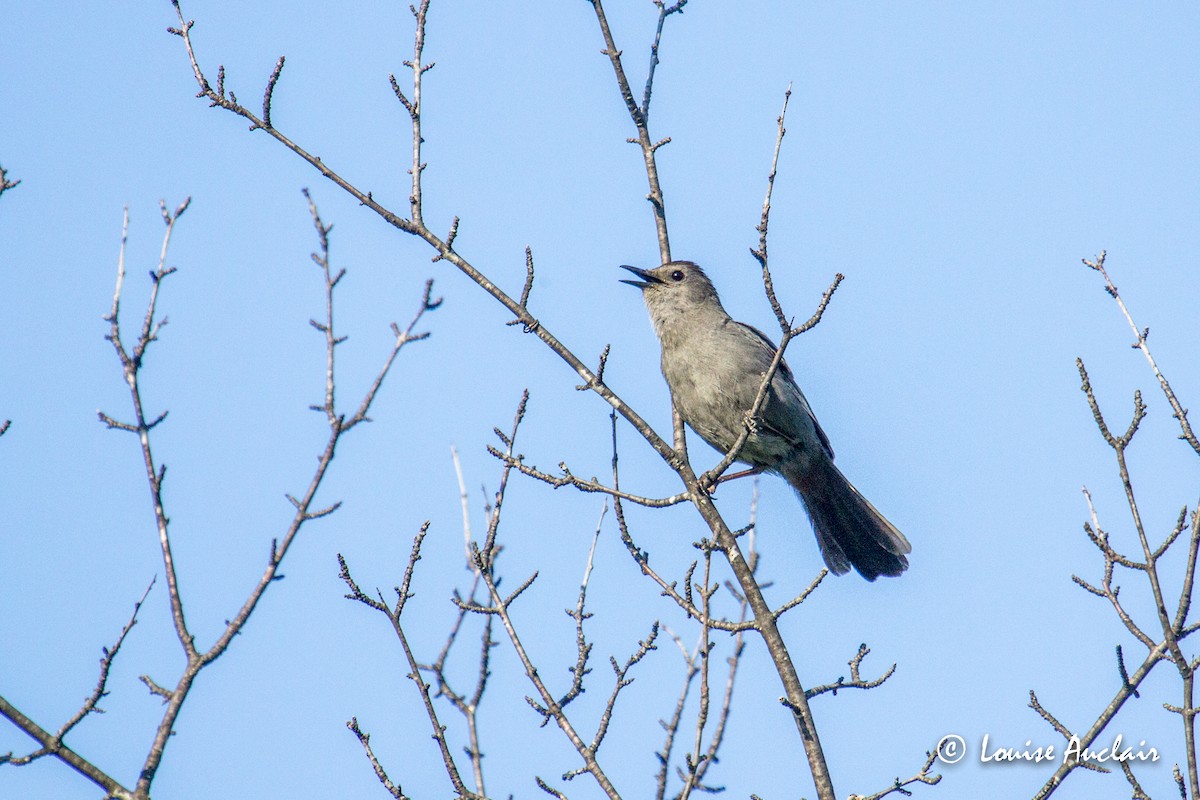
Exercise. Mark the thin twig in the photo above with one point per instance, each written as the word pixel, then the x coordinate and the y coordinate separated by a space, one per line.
pixel 52 744
pixel 393 613
pixel 923 776
pixel 640 115
pixel 590 485
pixel 5 183
pixel 365 740
pixel 488 550
pixel 672 726
pixel 583 648
pixel 760 254
pixel 696 758
pixel 466 511
pixel 1142 334
pixel 856 681
pixel 549 708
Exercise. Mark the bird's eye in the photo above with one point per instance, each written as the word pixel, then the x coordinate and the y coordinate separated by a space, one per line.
pixel 677 275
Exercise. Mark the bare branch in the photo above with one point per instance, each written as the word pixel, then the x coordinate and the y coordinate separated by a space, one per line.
pixel 1179 412
pixel 696 760
pixel 664 11
pixel 672 726
pixel 582 646
pixel 155 689
pixel 1138 792
pixel 1189 578
pixel 599 377
pixel 131 364
pixel 5 183
pixel 52 744
pixel 60 751
pixel 622 680
pixel 365 740
pixel 466 511
pixel 267 95
pixel 1111 559
pixel 640 115
pixel 669 587
pixel 417 228
pixel 393 614
pixel 414 109
pixel 109 654
pixel 1149 566
pixel 489 543
pixel 1126 691
pixel 545 787
pixel 761 253
pixel 800 598
pixel 567 478
pixel 338 426
pixel 527 288
pixel 856 681
pixel 132 359
pixel 923 776
pixel 549 708
pixel 403 337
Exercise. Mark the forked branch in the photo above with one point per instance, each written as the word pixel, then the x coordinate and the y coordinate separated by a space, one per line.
pixel 1173 627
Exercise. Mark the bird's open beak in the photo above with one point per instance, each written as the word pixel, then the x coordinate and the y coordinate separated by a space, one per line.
pixel 646 278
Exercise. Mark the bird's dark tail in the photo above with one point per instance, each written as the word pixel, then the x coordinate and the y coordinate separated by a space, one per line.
pixel 849 530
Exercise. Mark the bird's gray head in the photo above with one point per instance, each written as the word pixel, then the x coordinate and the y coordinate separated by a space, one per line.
pixel 675 293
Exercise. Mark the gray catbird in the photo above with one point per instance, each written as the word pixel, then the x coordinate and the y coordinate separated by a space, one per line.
pixel 714 366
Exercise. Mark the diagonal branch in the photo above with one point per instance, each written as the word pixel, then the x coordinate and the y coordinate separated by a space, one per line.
pixel 1142 334
pixel 640 114
pixel 52 744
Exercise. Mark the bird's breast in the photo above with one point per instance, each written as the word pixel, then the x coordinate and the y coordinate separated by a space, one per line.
pixel 713 393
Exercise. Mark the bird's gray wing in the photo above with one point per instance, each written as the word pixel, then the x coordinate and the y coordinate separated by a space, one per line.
pixel 784 388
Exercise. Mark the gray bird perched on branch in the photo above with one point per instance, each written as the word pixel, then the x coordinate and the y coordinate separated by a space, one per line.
pixel 714 366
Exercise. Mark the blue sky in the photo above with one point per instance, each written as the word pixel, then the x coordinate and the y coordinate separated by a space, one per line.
pixel 954 161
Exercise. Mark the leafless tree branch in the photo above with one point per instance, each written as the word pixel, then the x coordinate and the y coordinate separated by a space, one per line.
pixel 1142 334
pixel 393 612
pixel 52 744
pixel 856 681
pixel 5 183
pixel 132 358
pixel 1172 627
pixel 923 776
pixel 365 740
pixel 640 114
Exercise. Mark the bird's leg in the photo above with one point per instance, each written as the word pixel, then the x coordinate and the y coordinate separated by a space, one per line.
pixel 743 474
pixel 709 482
